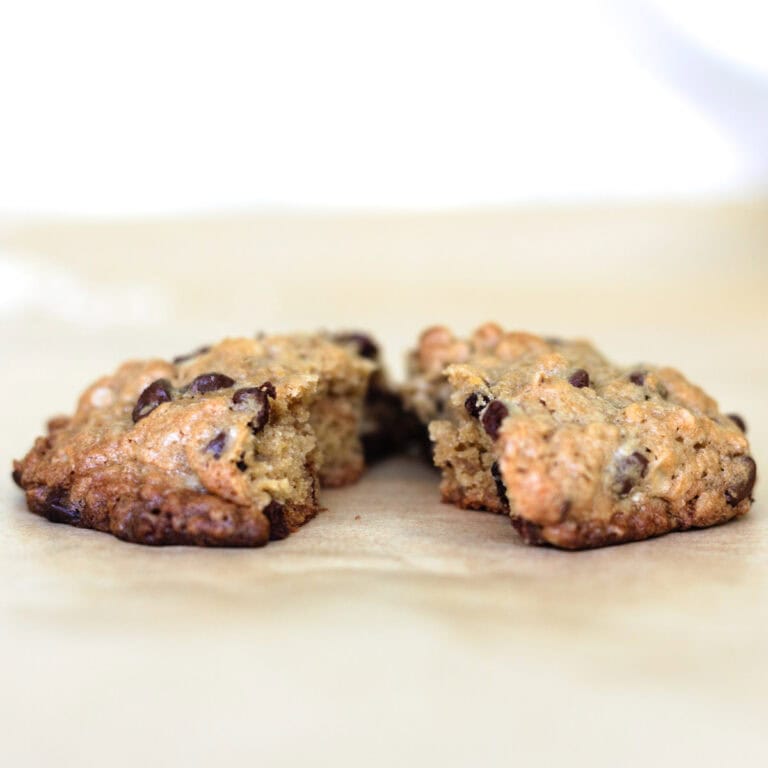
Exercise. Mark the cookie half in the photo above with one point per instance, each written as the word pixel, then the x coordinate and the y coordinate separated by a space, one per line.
pixel 225 446
pixel 578 451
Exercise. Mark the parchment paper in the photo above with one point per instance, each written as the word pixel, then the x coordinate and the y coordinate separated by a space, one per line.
pixel 392 629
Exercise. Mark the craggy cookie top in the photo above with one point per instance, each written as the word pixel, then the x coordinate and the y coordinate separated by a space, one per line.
pixel 221 433
pixel 588 452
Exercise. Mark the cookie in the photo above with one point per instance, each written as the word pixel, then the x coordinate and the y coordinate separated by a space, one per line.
pixel 224 446
pixel 577 451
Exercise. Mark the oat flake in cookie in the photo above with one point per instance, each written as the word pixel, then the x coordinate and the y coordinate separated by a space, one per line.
pixel 579 452
pixel 225 446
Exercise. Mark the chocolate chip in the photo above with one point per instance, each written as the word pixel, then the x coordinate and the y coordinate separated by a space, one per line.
pixel 209 382
pixel 196 353
pixel 579 378
pixel 249 394
pixel 259 421
pixel 366 347
pixel 59 509
pixel 278 524
pixel 494 413
pixel 475 403
pixel 501 489
pixel 629 471
pixel 258 396
pixel 637 377
pixel 738 421
pixel 156 393
pixel 742 489
pixel 268 388
pixel 216 446
pixel 529 532
pixel 241 465
pixel 16 475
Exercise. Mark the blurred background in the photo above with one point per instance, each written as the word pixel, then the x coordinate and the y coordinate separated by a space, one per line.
pixel 168 107
pixel 172 172
pixel 595 168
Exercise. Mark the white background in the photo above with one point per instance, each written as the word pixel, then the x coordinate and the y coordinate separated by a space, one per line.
pixel 157 107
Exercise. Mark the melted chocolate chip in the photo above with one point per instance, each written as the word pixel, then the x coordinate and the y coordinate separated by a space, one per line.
pixel 156 393
pixel 494 413
pixel 258 397
pixel 475 403
pixel 59 509
pixel 742 489
pixel 268 388
pixel 579 378
pixel 216 446
pixel 241 465
pixel 196 353
pixel 629 471
pixel 738 421
pixel 249 395
pixel 529 532
pixel 366 347
pixel 637 377
pixel 278 524
pixel 16 475
pixel 501 489
pixel 259 421
pixel 209 382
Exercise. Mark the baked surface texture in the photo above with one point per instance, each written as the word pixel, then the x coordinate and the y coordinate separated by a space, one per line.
pixel 225 446
pixel 579 452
